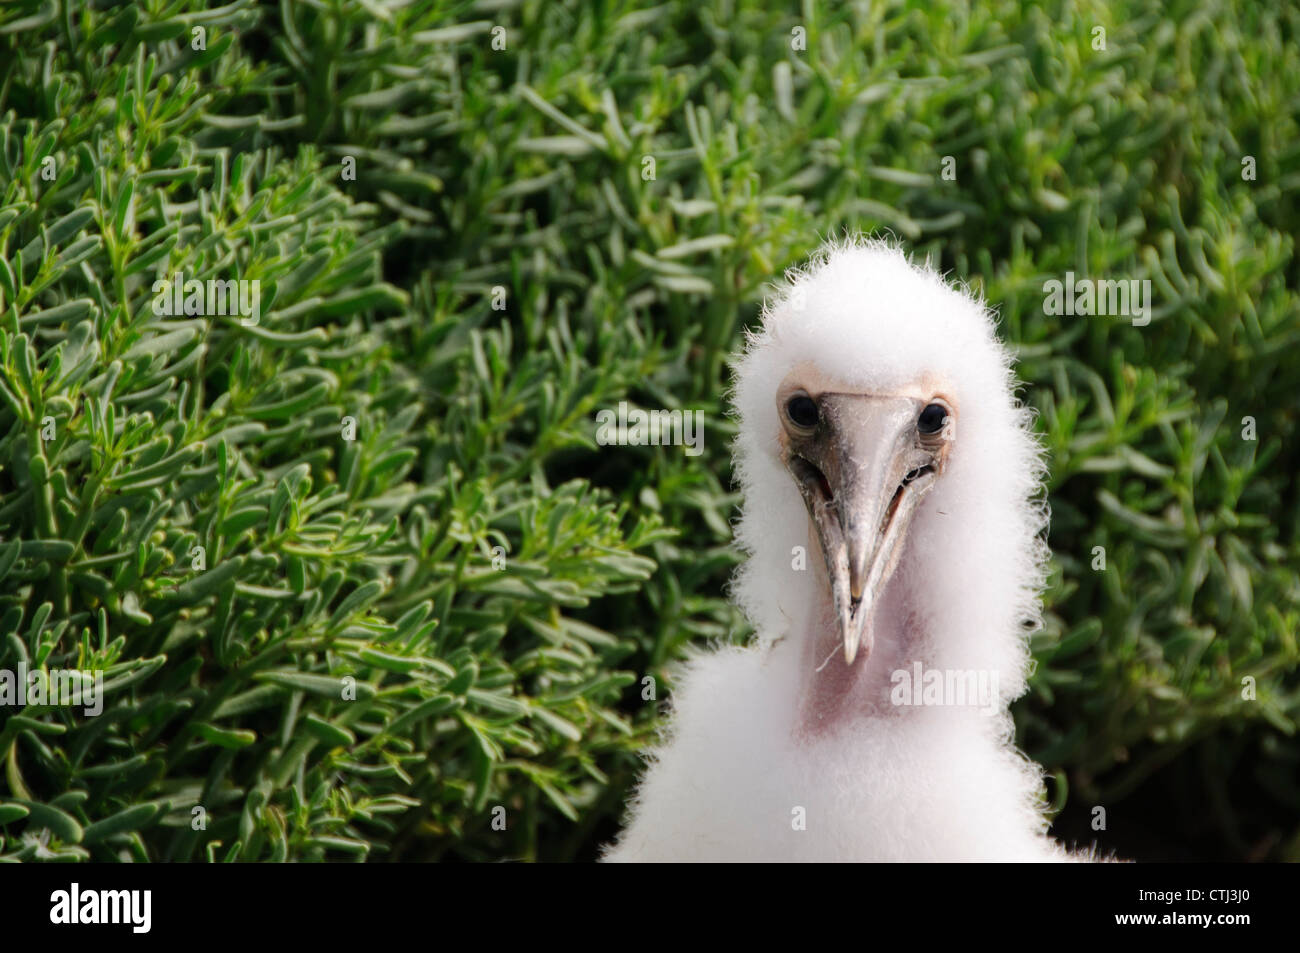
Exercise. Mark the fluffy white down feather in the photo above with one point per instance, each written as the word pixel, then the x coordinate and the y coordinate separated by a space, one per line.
pixel 732 778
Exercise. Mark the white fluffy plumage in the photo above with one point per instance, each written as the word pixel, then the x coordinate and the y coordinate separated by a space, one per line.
pixel 746 770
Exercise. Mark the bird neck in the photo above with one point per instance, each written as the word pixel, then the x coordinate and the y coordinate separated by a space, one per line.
pixel 912 670
pixel 834 694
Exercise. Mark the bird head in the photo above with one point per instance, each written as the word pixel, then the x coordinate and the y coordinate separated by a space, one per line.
pixel 862 462
pixel 878 426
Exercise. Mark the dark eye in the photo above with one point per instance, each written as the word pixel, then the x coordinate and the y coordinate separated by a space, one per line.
pixel 802 410
pixel 932 418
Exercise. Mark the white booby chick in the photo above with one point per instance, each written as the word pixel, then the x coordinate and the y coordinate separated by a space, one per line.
pixel 892 518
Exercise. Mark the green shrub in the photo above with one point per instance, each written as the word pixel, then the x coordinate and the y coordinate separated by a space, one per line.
pixel 504 263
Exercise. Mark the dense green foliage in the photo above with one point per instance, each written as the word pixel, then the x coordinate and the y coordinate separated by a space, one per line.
pixel 504 263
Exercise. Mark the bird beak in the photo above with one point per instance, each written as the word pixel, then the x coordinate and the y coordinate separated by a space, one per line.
pixel 862 475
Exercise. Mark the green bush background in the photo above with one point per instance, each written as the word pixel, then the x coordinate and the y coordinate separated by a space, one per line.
pixel 480 168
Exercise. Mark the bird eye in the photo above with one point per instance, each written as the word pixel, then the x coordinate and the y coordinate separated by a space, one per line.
pixel 802 411
pixel 932 419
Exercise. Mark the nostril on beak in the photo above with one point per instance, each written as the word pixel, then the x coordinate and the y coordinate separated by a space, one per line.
pixel 808 473
pixel 916 474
